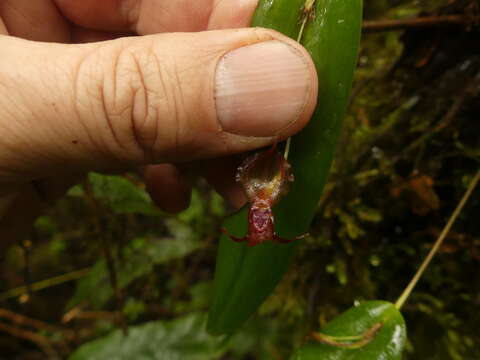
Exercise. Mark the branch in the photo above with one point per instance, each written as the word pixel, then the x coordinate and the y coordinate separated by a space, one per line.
pixel 467 92
pixel 408 290
pixel 107 253
pixel 420 22
pixel 41 341
pixel 43 284
pixel 26 321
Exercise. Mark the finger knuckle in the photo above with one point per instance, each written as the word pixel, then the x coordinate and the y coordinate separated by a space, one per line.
pixel 137 99
pixel 144 95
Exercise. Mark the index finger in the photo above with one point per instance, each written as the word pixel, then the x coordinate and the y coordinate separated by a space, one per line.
pixel 154 16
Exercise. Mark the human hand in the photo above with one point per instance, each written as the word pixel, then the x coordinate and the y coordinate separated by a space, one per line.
pixel 83 96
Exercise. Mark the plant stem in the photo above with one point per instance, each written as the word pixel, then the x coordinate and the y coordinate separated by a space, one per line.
pixel 420 22
pixel 74 275
pixel 348 342
pixel 408 290
pixel 41 341
pixel 105 239
pixel 307 13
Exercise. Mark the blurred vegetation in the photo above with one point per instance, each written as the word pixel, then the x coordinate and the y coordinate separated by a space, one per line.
pixel 411 142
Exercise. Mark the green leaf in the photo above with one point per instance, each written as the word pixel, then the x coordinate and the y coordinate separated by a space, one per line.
pixel 246 276
pixel 181 339
pixel 121 195
pixel 200 294
pixel 133 309
pixel 195 210
pixel 387 343
pixel 139 258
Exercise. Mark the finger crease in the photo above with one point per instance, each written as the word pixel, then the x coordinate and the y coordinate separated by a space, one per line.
pixel 76 86
pixel 145 147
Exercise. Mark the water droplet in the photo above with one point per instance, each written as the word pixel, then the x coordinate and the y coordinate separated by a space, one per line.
pixel 411 102
pixel 375 260
pixel 465 65
pixel 377 153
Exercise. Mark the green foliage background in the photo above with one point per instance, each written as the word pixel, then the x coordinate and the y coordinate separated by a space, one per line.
pixel 410 144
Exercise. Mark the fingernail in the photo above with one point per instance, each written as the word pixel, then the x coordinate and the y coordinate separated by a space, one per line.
pixel 261 88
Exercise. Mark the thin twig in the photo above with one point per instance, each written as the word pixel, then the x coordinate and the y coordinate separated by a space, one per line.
pixel 308 12
pixel 78 313
pixel 43 284
pixel 41 341
pixel 446 120
pixel 420 22
pixel 109 258
pixel 23 320
pixel 38 325
pixel 26 247
pixel 406 293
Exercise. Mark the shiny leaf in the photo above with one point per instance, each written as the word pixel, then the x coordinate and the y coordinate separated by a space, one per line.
pixel 181 339
pixel 381 324
pixel 246 276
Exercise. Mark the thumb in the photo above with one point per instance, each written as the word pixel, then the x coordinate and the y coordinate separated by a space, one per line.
pixel 160 98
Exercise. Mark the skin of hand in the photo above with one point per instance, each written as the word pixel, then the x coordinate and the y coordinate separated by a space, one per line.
pixel 117 84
